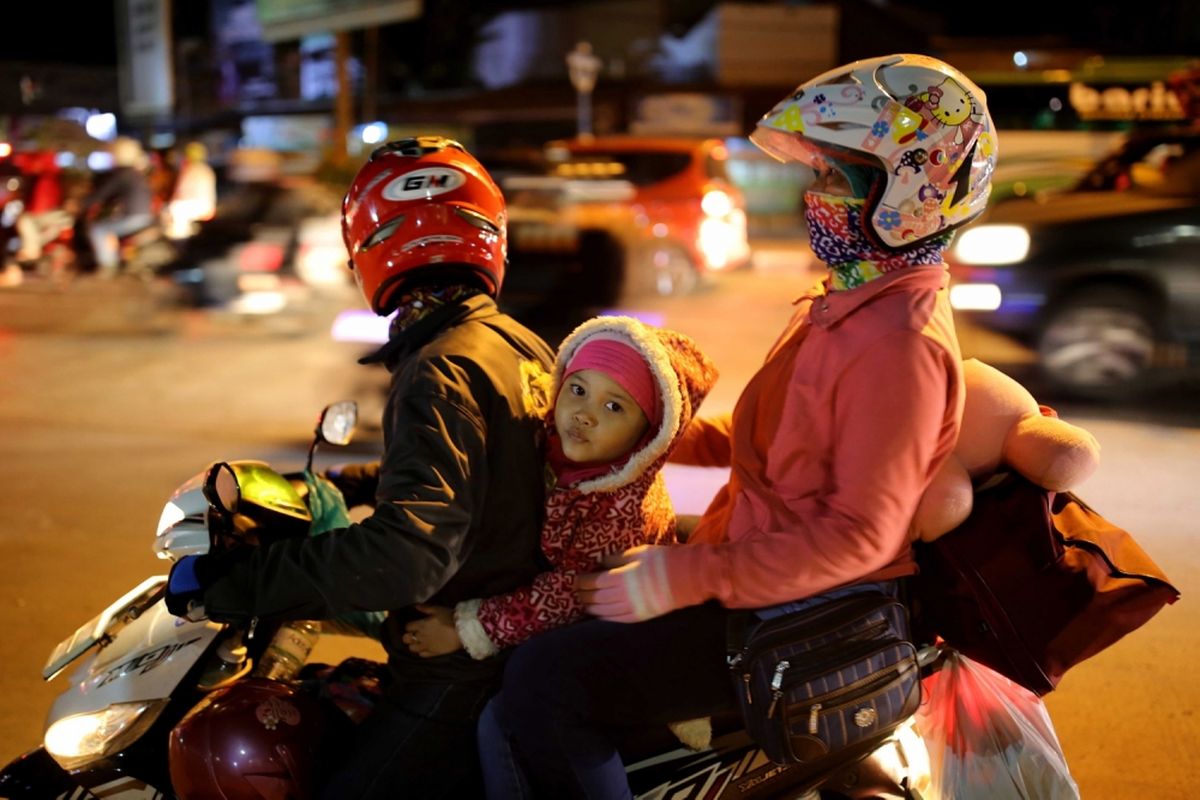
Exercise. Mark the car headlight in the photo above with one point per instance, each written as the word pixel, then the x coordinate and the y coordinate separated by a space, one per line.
pixel 975 297
pixel 82 738
pixel 992 244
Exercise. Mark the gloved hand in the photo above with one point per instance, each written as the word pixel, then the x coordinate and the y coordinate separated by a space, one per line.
pixel 185 594
pixel 356 482
pixel 635 588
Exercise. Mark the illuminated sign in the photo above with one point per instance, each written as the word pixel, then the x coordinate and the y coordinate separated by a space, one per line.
pixel 1154 102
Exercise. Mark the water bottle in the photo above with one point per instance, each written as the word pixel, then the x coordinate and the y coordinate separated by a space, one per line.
pixel 288 650
pixel 229 664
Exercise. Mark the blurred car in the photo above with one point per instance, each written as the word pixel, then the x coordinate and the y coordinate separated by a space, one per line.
pixel 612 219
pixel 268 241
pixel 1102 280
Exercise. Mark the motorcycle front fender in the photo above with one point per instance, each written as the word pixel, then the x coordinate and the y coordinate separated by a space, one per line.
pixel 36 775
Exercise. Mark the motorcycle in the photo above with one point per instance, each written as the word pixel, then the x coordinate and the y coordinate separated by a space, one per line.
pixel 151 712
pixel 107 734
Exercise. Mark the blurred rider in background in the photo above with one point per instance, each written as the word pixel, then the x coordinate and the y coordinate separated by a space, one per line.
pixel 194 198
pixel 122 203
pixel 44 217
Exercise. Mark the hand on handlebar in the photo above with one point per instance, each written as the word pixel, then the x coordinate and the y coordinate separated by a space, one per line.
pixel 185 594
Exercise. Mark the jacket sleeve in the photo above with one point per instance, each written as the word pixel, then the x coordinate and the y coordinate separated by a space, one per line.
pixel 414 541
pixel 889 436
pixel 705 443
pixel 488 626
pixel 105 191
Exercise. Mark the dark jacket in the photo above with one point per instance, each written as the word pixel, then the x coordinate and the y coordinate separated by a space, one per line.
pixel 458 501
pixel 123 192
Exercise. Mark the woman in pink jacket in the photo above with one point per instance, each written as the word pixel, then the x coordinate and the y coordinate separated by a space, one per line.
pixel 831 444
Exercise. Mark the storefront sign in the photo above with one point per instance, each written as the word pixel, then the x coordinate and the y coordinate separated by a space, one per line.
pixel 1117 102
pixel 686 114
pixel 146 74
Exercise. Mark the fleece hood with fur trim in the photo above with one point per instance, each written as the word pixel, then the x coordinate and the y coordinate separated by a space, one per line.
pixel 682 373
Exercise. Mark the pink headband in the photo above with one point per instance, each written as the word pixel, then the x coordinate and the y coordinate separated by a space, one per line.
pixel 627 367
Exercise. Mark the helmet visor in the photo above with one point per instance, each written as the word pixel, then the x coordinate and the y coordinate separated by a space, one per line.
pixel 787 146
pixel 791 147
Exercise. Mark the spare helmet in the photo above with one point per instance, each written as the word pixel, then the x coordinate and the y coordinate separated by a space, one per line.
pixel 418 210
pixel 269 508
pixel 921 128
pixel 254 740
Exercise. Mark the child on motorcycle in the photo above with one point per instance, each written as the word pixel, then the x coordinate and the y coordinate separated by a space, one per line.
pixel 625 392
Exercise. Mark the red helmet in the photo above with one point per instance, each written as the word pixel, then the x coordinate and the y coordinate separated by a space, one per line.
pixel 254 740
pixel 417 208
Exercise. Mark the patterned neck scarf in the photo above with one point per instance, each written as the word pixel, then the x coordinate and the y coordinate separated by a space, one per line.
pixel 836 234
pixel 418 303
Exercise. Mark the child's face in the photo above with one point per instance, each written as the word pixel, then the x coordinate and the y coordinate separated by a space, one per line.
pixel 596 419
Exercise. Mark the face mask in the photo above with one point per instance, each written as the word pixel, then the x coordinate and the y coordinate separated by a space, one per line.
pixel 835 232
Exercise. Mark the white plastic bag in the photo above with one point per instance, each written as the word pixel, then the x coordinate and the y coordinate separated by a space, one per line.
pixel 989 738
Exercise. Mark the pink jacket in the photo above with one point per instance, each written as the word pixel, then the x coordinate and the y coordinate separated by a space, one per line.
pixel 603 514
pixel 831 444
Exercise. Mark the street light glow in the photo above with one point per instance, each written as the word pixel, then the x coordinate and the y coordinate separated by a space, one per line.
pixel 374 133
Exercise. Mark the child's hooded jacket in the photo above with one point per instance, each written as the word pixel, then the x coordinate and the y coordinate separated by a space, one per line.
pixel 624 506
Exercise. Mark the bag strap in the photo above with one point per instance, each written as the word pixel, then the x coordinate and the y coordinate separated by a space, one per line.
pixel 739 624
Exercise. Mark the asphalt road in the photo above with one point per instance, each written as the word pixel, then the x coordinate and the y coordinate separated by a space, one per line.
pixel 107 402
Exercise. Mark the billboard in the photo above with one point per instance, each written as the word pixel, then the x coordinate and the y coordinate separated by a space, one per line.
pixel 293 19
pixel 144 60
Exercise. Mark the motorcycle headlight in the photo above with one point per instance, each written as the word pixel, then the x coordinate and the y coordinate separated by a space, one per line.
pixel 80 739
pixel 992 244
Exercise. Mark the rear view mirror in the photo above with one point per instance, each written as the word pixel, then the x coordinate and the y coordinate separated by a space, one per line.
pixel 335 426
pixel 338 422
pixel 221 488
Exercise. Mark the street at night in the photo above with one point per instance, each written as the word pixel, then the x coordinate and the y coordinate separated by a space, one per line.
pixel 107 409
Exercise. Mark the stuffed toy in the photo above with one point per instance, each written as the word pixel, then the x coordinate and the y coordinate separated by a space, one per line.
pixel 1002 426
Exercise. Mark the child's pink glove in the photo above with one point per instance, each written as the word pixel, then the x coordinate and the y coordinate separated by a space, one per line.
pixel 635 588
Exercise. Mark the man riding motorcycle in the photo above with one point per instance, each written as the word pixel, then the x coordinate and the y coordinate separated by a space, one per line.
pixel 457 498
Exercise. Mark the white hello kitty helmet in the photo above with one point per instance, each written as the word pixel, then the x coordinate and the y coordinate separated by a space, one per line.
pixel 920 125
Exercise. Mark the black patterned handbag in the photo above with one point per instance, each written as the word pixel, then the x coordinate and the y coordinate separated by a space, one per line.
pixel 827 679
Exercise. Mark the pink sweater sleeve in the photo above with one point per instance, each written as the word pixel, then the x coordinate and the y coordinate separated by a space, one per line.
pixel 705 443
pixel 893 422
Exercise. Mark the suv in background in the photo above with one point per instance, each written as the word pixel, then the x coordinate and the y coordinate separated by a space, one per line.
pixel 621 217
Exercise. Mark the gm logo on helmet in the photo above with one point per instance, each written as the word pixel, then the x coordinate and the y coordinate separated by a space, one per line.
pixel 422 184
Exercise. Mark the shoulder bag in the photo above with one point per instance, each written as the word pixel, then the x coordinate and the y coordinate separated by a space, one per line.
pixel 1034 582
pixel 825 680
